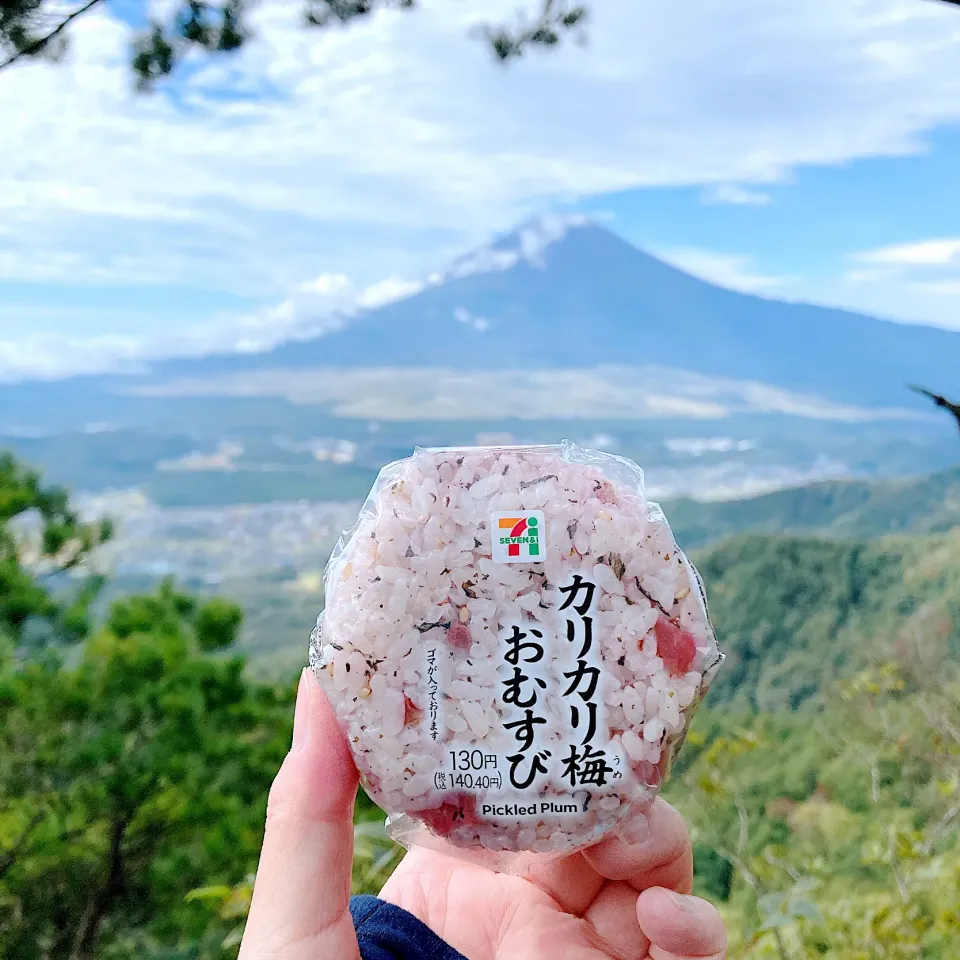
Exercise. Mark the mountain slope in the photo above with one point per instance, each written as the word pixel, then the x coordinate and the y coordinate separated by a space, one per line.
pixel 794 613
pixel 581 296
pixel 841 508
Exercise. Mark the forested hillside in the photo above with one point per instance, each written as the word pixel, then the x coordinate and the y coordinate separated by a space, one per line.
pixel 792 613
pixel 796 613
pixel 839 508
pixel 137 748
pixel 833 831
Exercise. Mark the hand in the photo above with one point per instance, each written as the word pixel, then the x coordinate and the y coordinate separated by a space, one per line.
pixel 619 899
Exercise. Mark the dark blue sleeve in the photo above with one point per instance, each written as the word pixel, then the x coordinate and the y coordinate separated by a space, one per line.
pixel 386 932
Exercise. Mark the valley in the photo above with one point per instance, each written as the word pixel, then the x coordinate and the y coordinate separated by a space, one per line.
pixel 806 585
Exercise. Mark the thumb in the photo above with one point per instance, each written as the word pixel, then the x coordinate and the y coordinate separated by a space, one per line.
pixel 301 899
pixel 680 927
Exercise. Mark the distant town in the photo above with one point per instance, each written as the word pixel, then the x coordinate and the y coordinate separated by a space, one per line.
pixel 212 545
pixel 216 544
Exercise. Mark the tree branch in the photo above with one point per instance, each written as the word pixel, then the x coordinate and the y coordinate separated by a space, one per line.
pixel 744 824
pixel 902 887
pixel 941 724
pixel 8 859
pixel 36 46
pixel 545 30
pixel 784 865
pixel 938 831
pixel 749 877
pixel 781 946
pixel 103 898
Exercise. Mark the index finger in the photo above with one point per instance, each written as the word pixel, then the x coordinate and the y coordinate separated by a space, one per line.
pixel 570 880
pixel 661 857
pixel 652 849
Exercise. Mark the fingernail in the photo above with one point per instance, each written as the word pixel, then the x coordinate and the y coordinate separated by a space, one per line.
pixel 684 903
pixel 634 829
pixel 301 713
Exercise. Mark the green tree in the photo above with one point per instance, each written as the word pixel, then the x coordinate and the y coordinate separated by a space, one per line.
pixel 135 765
pixel 130 779
pixel 38 29
pixel 840 823
pixel 132 770
pixel 45 595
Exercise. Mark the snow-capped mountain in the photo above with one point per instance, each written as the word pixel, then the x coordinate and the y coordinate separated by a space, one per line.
pixel 567 293
pixel 528 244
pixel 560 328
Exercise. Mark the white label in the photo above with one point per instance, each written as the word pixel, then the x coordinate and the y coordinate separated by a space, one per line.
pixel 469 769
pixel 552 750
pixel 518 536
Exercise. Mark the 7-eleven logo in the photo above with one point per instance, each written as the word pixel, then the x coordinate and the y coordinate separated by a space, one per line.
pixel 518 536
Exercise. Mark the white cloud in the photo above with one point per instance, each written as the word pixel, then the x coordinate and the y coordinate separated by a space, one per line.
pixel 726 270
pixel 387 291
pixel 381 149
pixel 868 275
pixel 536 236
pixel 917 282
pixel 48 357
pixel 890 296
pixel 731 193
pixel 484 260
pixel 925 253
pixel 317 306
pixel 530 242
pixel 464 316
pixel 617 392
pixel 950 288
pixel 327 284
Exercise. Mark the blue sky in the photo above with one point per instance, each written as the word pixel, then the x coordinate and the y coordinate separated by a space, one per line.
pixel 808 232
pixel 811 223
pixel 805 153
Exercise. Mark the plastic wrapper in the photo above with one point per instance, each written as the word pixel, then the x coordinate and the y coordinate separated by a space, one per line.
pixel 514 646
